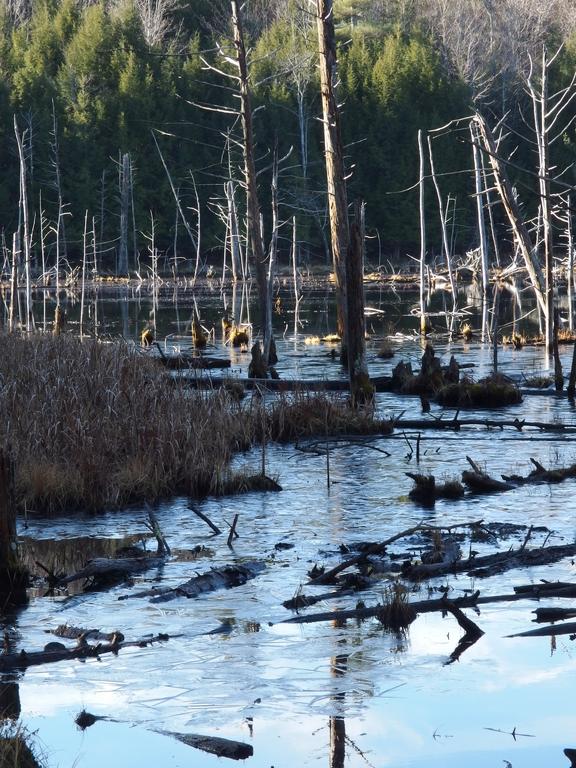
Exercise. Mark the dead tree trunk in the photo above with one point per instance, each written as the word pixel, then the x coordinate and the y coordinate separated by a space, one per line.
pixel 334 159
pixel 26 233
pixel 253 205
pixel 124 184
pixel 361 389
pixel 541 128
pixel 481 222
pixel 423 321
pixel 13 577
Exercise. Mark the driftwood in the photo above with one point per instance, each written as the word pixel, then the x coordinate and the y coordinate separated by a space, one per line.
pixel 215 745
pixel 488 564
pixel 569 628
pixel 531 592
pixel 75 633
pixel 554 614
pixel 380 547
pixel 218 578
pixel 478 481
pixel 456 424
pixel 24 659
pixel 109 570
pixel 113 568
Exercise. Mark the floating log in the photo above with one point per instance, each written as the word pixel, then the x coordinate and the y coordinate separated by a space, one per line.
pixel 218 578
pixel 215 745
pixel 25 659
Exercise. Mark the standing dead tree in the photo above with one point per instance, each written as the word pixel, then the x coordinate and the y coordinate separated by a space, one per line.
pixel 334 159
pixel 547 110
pixel 347 247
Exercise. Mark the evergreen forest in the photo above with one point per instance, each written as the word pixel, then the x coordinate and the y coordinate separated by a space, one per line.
pixel 123 106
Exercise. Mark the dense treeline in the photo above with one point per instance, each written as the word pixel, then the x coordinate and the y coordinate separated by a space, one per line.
pixel 90 83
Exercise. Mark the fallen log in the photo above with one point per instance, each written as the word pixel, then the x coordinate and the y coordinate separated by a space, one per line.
pixel 569 628
pixel 25 659
pixel 554 614
pixel 110 569
pixel 214 745
pixel 485 565
pixel 217 578
pixel 106 571
pixel 479 481
pixel 429 606
pixel 381 384
pixel 379 547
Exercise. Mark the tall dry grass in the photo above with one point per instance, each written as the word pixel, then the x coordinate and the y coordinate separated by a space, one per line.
pixel 93 425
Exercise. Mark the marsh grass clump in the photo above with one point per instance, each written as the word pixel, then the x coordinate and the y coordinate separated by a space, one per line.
pixel 492 392
pixel 306 414
pixel 15 747
pixel 93 426
pixel 538 382
pixel 396 612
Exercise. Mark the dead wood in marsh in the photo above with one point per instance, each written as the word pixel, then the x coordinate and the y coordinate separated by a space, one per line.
pixel 426 490
pixel 217 578
pixel 25 659
pixel 214 745
pixel 529 592
pixel 377 548
pixel 107 571
pixel 479 481
pixel 488 565
pixel 552 630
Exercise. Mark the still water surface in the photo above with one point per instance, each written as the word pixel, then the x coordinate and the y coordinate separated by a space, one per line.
pixel 286 689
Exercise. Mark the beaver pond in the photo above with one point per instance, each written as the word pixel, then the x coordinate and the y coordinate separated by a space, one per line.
pixel 333 692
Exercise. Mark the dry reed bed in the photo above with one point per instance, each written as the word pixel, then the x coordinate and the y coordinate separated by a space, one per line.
pixel 93 426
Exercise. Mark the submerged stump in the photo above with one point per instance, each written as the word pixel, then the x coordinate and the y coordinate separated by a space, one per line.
pixel 13 575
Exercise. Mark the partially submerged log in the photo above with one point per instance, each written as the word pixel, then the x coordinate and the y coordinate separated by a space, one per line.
pixel 107 570
pixel 217 578
pixel 214 745
pixel 25 659
pixel 439 604
pixel 487 565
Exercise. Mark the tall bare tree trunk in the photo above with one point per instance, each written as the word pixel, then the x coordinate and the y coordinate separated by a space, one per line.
pixel 124 184
pixel 253 205
pixel 26 233
pixel 480 218
pixel 570 262
pixel 423 319
pixel 333 154
pixel 361 389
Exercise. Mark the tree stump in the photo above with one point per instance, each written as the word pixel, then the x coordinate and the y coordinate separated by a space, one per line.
pixel 13 576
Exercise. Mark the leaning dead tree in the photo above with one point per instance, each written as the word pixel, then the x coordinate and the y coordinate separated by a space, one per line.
pixel 512 210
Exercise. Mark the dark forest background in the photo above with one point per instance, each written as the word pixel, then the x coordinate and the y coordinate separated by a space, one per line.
pixel 89 83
